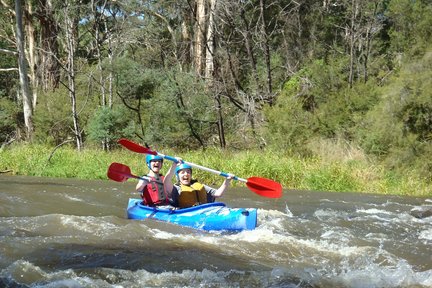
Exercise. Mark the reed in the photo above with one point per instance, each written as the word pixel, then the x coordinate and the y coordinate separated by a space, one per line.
pixel 314 173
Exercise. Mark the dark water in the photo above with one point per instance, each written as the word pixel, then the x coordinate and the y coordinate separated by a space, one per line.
pixel 73 233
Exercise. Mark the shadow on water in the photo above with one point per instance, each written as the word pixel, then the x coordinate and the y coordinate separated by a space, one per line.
pixel 132 257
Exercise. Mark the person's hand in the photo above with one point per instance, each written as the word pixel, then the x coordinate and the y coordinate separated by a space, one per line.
pixel 230 177
pixel 177 162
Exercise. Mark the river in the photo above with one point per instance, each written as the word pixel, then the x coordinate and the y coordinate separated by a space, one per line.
pixel 74 233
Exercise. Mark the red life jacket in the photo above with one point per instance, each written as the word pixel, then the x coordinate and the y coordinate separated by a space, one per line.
pixel 154 193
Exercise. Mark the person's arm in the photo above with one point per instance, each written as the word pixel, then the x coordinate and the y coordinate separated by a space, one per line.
pixel 141 184
pixel 219 192
pixel 168 184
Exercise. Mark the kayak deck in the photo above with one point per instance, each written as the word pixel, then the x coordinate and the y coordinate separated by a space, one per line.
pixel 210 216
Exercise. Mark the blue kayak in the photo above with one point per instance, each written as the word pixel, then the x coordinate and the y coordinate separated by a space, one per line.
pixel 210 216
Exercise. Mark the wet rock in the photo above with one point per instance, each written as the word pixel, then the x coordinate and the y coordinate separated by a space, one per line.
pixel 421 212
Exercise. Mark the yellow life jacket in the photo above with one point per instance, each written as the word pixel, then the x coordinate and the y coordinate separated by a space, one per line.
pixel 192 195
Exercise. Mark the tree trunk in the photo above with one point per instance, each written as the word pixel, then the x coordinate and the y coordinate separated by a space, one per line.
pixel 22 65
pixel 220 122
pixel 99 20
pixel 199 36
pixel 209 68
pixel 49 67
pixel 97 44
pixel 352 42
pixel 248 46
pixel 32 55
pixel 110 61
pixel 186 49
pixel 71 46
pixel 266 47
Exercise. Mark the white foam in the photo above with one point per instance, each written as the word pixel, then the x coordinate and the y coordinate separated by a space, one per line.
pixel 426 234
pixel 373 275
pixel 67 196
pixel 374 211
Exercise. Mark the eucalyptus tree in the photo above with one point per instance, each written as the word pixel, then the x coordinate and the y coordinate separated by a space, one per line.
pixel 176 36
pixel 70 15
pixel 23 66
pixel 364 24
pixel 41 59
pixel 14 37
pixel 245 33
pixel 103 28
pixel 40 43
pixel 48 65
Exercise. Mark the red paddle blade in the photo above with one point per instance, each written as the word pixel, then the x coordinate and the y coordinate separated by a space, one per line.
pixel 264 187
pixel 119 172
pixel 135 147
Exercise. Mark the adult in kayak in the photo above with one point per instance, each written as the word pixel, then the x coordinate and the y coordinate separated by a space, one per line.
pixel 153 192
pixel 188 192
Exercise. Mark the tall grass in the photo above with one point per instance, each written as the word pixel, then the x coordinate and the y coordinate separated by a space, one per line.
pixel 314 173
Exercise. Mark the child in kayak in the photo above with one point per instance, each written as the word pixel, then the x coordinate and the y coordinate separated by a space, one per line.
pixel 153 192
pixel 188 192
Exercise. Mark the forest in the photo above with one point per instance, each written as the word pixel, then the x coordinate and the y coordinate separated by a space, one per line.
pixel 293 77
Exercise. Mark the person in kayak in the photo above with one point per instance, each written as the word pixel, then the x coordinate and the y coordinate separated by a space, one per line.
pixel 188 192
pixel 153 192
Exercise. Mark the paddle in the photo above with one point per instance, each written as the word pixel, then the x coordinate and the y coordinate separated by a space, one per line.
pixel 120 173
pixel 261 186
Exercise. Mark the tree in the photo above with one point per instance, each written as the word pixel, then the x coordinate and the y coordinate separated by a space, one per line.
pixel 70 33
pixel 365 23
pixel 199 33
pixel 48 66
pixel 108 125
pixel 23 65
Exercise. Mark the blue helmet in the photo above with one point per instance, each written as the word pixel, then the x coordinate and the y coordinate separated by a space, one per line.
pixel 150 158
pixel 181 167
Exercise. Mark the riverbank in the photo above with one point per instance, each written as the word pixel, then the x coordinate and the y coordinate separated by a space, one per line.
pixel 315 173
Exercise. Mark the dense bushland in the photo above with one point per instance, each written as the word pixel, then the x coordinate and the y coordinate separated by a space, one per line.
pixel 280 80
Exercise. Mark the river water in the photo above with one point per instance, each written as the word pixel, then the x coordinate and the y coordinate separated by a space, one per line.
pixel 74 233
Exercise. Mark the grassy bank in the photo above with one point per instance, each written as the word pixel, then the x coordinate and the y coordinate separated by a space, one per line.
pixel 318 173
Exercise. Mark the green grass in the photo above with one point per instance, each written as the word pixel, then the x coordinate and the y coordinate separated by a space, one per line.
pixel 317 173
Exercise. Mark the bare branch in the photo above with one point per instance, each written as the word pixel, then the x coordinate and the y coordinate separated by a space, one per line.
pixel 7 6
pixel 8 69
pixel 6 51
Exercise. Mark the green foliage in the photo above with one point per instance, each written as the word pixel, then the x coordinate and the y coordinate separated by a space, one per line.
pixel 110 125
pixel 288 126
pixel 345 109
pixel 399 127
pixel 180 114
pixel 131 80
pixel 9 117
pixel 53 115
pixel 52 118
pixel 307 105
pixel 411 30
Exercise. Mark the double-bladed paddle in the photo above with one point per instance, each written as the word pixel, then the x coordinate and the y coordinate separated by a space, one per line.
pixel 261 186
pixel 120 173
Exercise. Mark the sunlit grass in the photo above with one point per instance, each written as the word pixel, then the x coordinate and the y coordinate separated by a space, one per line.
pixel 315 173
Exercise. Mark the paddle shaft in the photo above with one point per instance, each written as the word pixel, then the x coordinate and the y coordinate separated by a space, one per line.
pixel 220 173
pixel 136 177
pixel 261 186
